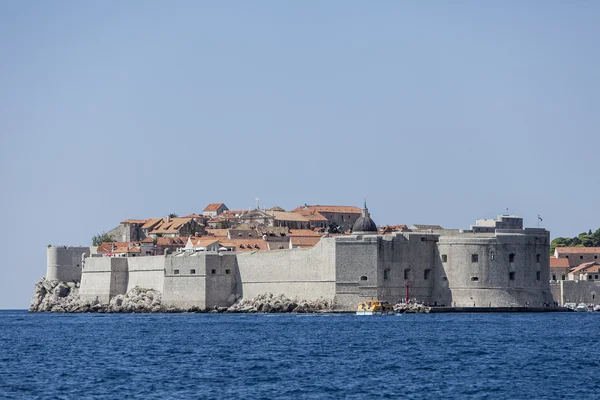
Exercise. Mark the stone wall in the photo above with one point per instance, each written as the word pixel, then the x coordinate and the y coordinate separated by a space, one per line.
pixel 587 292
pixel 301 273
pixel 64 263
pixel 493 279
pixel 104 278
pixel 146 272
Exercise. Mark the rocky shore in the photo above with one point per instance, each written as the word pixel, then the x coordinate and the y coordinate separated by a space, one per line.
pixel 63 297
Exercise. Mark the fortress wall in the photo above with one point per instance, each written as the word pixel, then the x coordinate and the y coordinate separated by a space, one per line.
pixel 357 269
pixel 185 280
pixel 587 292
pixel 487 281
pixel 303 273
pixel 103 277
pixel 63 263
pixel 146 272
pixel 415 255
pixel 220 285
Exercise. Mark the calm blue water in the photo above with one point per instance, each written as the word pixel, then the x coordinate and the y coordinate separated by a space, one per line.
pixel 512 356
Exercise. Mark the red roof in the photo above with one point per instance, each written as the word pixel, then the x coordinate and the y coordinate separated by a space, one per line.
pixel 559 262
pixel 304 241
pixel 331 209
pixel 586 268
pixel 578 250
pixel 213 207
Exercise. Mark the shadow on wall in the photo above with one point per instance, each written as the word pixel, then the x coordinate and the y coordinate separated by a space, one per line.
pixel 239 287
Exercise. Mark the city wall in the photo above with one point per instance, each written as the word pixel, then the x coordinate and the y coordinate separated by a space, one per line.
pixel 63 263
pixel 576 292
pixel 297 273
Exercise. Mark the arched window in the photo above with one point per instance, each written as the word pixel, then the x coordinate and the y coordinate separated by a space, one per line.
pixel 363 278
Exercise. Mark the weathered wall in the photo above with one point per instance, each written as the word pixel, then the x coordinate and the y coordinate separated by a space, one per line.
pixel 221 272
pixel 185 280
pixel 297 273
pixel 63 263
pixel 103 277
pixel 487 281
pixel 576 292
pixel 146 272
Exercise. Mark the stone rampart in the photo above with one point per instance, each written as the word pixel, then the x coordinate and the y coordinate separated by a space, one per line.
pixel 64 263
pixel 104 278
pixel 146 272
pixel 296 273
pixel 587 292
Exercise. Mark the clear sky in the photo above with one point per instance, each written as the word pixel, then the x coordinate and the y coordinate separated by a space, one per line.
pixel 438 112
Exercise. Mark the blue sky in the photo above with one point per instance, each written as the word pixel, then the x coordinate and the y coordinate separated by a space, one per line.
pixel 438 112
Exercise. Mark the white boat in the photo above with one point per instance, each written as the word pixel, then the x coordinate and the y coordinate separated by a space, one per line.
pixel 581 307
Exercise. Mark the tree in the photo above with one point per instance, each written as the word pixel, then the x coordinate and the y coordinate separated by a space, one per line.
pixel 102 238
pixel 172 215
pixel 223 225
pixel 334 228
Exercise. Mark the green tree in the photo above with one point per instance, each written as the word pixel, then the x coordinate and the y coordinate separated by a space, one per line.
pixel 172 215
pixel 101 238
pixel 223 225
pixel 334 228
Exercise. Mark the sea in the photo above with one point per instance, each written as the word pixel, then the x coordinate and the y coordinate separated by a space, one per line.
pixel 304 356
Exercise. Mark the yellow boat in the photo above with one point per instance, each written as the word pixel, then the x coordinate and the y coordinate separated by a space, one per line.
pixel 374 307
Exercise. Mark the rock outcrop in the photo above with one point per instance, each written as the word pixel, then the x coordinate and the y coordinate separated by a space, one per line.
pixel 52 296
pixel 270 303
pixel 401 308
pixel 63 297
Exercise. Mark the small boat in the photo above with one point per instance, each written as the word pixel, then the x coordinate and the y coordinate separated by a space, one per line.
pixel 375 307
pixel 597 307
pixel 581 307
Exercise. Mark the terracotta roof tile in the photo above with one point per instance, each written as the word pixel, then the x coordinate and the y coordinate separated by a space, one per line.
pixel 577 250
pixel 287 216
pixel 331 209
pixel 304 233
pixel 586 268
pixel 559 262
pixel 213 206
pixel 305 241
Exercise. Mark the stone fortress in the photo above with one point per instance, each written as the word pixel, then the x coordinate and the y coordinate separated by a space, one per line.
pixel 495 263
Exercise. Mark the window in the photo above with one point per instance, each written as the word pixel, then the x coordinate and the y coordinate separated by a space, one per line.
pixel 581 257
pixel 213 271
pixel 595 257
pixel 511 257
pixel 363 278
pixel 474 278
pixel 474 258
pixel 228 271
pixel 175 272
pixel 553 277
pixel 444 278
pixel 386 274
pixel 492 255
pixel 538 257
pixel 595 276
pixel 566 256
pixel 563 277
pixel 426 274
pixel 444 258
pixel 192 271
pixel 511 276
pixel 589 277
pixel 406 271
pixel 538 275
